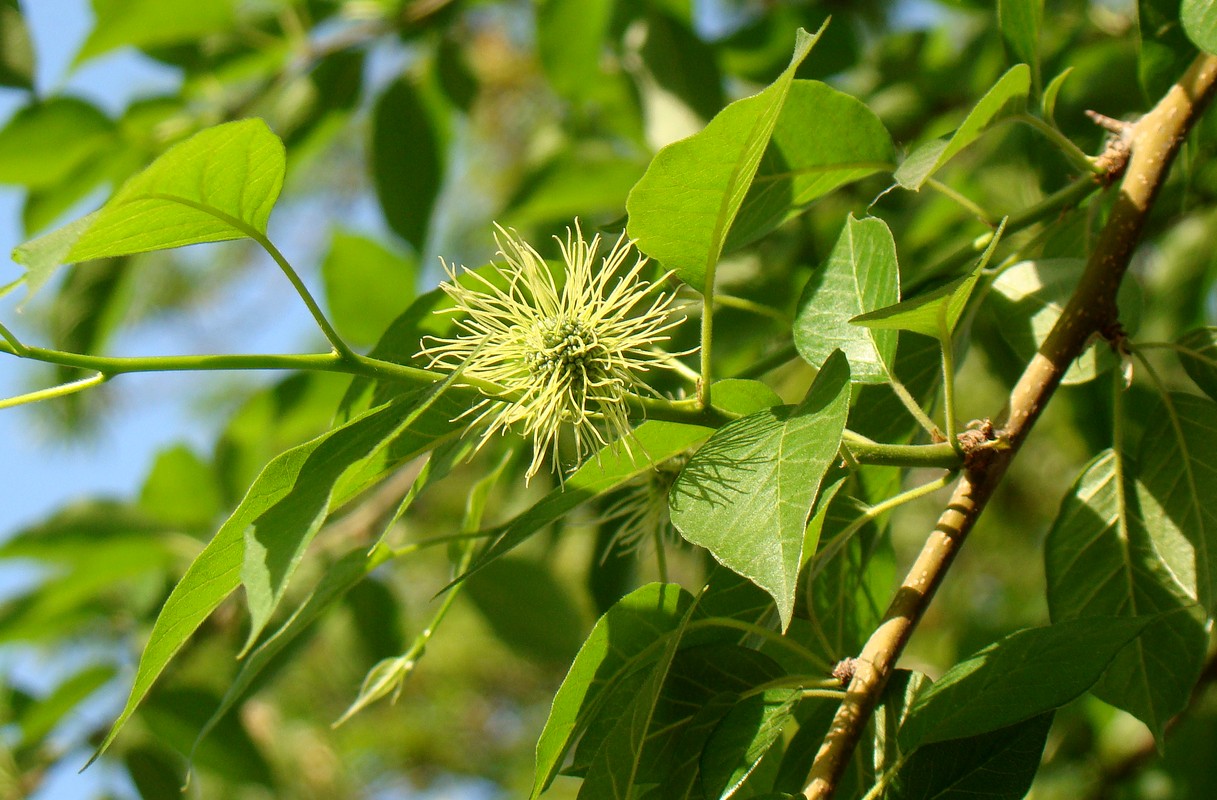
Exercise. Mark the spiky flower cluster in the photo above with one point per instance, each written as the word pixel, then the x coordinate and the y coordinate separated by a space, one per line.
pixel 566 357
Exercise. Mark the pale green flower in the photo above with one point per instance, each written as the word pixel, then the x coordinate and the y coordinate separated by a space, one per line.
pixel 566 357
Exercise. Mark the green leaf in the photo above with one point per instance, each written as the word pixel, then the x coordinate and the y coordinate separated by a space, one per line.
pixel 1200 359
pixel 681 65
pixel 172 717
pixel 340 577
pixel 652 443
pixel 570 42
pixel 614 769
pixel 406 160
pixel 1020 22
pixel 16 49
pixel 219 184
pixel 743 738
pixel 1007 96
pixel 367 286
pixel 898 697
pixel 216 571
pixel 1164 49
pixel 1100 563
pixel 45 143
pixel 704 685
pixel 1199 19
pixel 823 140
pixel 181 489
pixel 682 209
pixel 746 494
pixel 311 487
pixel 528 609
pixel 1018 677
pixel 936 312
pixel 997 766
pixel 618 645
pixel 1177 479
pixel 153 23
pixel 1027 300
pixel 1051 91
pixel 861 275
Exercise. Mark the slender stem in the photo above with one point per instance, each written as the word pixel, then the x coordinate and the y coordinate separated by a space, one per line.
pixel 1053 204
pixel 1178 348
pixel 902 455
pixel 964 201
pixel 1066 145
pixel 661 556
pixel 336 341
pixel 340 347
pixel 707 336
pixel 914 408
pixel 828 551
pixel 63 390
pixel 744 304
pixel 13 342
pixel 948 382
pixel 414 547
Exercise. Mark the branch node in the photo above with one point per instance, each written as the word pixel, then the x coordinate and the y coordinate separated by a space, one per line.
pixel 844 670
pixel 1117 149
pixel 980 442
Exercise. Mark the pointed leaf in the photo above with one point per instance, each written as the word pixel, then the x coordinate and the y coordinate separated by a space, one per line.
pixel 823 139
pixel 682 209
pixel 153 23
pixel 1099 563
pixel 217 185
pixel 705 684
pixel 614 769
pixel 406 162
pixel 340 577
pixel 1200 358
pixel 338 469
pixel 1018 677
pixel 861 275
pixel 1177 480
pixel 216 571
pixel 616 646
pixel 1007 96
pixel 16 50
pixel 43 144
pixel 1020 22
pixel 747 493
pixel 743 738
pixel 652 443
pixel 936 312
pixel 996 766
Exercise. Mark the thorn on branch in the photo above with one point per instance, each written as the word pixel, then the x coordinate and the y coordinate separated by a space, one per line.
pixel 1118 147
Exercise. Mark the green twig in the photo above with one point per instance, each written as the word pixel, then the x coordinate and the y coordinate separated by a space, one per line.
pixel 744 304
pixel 948 380
pixel 914 408
pixel 63 390
pixel 17 347
pixel 829 550
pixel 340 347
pixel 962 200
pixel 1066 145
pixel 902 455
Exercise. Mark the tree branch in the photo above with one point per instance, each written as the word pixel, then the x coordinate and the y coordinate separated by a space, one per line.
pixel 1154 141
